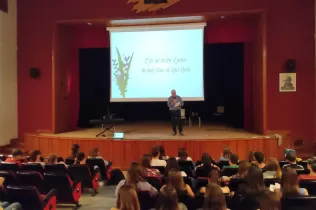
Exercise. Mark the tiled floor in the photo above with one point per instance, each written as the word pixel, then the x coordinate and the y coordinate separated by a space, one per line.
pixel 105 200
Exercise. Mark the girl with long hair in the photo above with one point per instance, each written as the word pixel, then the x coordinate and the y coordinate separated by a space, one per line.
pixel 168 200
pixel 215 177
pixel 136 179
pixel 273 169
pixel 214 198
pixel 146 168
pixel 173 163
pixel 175 180
pixel 255 184
pixel 127 199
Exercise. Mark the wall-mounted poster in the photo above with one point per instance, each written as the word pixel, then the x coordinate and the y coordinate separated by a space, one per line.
pixel 287 82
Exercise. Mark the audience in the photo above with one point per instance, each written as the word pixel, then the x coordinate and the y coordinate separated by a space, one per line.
pixel 233 161
pixel 291 157
pixel 289 185
pixel 311 166
pixel 95 154
pixel 207 162
pixel 75 149
pixel 225 154
pixel 273 169
pixel 146 168
pixel 183 155
pixel 175 180
pixel 136 179
pixel 155 161
pixel 17 157
pixel 172 163
pixel 168 200
pixel 270 201
pixel 214 198
pixel 52 159
pixel 251 156
pixel 259 160
pixel 127 198
pixel 242 171
pixel 162 155
pixel 215 177
pixel 35 157
pixel 81 158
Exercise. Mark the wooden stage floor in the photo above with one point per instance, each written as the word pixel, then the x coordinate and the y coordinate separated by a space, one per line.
pixel 163 131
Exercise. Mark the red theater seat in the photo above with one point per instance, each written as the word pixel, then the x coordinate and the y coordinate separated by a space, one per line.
pixel 81 173
pixel 31 199
pixel 67 191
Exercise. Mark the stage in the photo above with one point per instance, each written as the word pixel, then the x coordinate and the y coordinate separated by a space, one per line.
pixel 163 131
pixel 141 137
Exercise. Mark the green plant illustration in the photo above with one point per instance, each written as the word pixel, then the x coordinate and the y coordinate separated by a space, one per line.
pixel 122 70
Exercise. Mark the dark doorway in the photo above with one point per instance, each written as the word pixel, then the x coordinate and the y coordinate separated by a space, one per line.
pixel 223 86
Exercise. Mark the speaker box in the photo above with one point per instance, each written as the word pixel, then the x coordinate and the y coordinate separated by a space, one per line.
pixel 290 65
pixel 35 72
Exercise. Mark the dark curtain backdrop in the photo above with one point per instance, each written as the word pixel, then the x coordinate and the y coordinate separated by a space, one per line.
pixel 223 81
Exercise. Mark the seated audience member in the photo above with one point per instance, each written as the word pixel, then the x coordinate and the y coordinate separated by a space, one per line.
pixel 155 161
pixel 259 160
pixel 207 162
pixel 242 171
pixel 81 158
pixel 215 177
pixel 17 157
pixel 168 200
pixel 52 159
pixel 205 155
pixel 183 155
pixel 254 183
pixel 251 156
pixel 173 163
pixel 146 168
pixel 214 197
pixel 35 157
pixel 270 201
pixel 95 154
pixel 273 169
pixel 225 154
pixel 233 161
pixel 75 149
pixel 162 155
pixel 136 179
pixel 311 165
pixel 289 184
pixel 175 180
pixel 127 199
pixel 291 157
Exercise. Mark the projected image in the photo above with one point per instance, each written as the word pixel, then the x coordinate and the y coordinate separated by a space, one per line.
pixel 148 63
pixel 121 67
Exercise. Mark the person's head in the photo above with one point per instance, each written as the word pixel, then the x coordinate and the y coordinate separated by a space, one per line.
pixel 145 162
pixel 243 168
pixel 175 179
pixel 127 198
pixel 75 150
pixel 226 152
pixel 291 157
pixel 273 165
pixel 182 154
pixel 233 159
pixel 168 199
pixel 155 152
pixel 311 165
pixel 214 197
pixel 259 157
pixel 171 163
pixel 134 174
pixel 289 182
pixel 95 152
pixel 254 178
pixel 52 159
pixel 81 157
pixel 214 176
pixel 173 93
pixel 35 156
pixel 270 201
pixel 17 154
pixel 162 152
pixel 251 156
pixel 287 80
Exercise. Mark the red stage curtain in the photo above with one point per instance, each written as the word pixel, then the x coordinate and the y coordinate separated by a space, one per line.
pixel 4 5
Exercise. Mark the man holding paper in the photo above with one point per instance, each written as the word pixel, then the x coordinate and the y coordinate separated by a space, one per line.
pixel 175 103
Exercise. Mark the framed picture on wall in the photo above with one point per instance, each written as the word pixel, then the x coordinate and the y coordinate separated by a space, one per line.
pixel 287 82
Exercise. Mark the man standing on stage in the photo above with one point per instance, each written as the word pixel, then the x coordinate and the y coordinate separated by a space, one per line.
pixel 175 103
